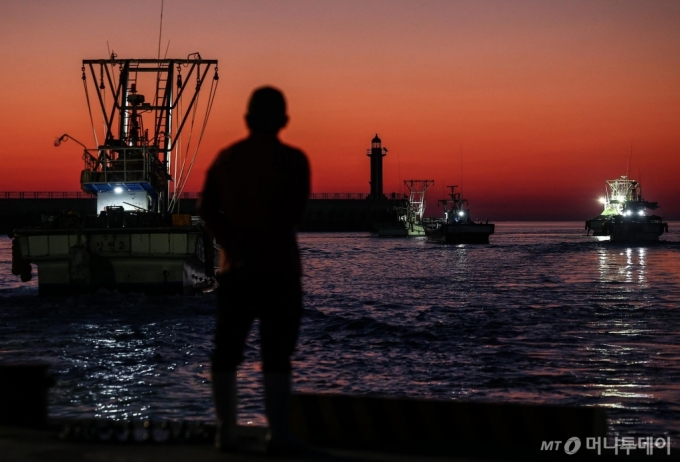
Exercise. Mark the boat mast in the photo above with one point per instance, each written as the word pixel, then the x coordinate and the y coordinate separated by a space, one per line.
pixel 416 203
pixel 139 158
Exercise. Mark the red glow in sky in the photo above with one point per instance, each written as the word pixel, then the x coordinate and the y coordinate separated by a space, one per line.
pixel 544 99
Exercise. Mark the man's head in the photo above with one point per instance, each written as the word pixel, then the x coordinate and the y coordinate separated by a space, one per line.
pixel 266 111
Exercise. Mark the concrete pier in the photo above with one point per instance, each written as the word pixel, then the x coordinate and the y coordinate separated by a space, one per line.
pixel 336 428
pixel 32 445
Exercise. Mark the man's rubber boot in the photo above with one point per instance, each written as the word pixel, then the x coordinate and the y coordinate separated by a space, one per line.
pixel 277 405
pixel 225 397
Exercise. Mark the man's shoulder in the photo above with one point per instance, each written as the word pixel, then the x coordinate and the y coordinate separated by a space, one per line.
pixel 296 153
pixel 229 152
pixel 249 149
pixel 234 148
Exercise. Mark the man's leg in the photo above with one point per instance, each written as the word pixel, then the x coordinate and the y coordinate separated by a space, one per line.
pixel 279 328
pixel 234 319
pixel 225 398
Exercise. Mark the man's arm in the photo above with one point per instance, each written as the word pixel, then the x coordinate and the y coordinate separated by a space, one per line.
pixel 209 206
pixel 301 188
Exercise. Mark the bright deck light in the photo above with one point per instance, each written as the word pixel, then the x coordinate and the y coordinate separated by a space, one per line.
pixel 461 213
pixel 603 200
pixel 118 190
pixel 641 213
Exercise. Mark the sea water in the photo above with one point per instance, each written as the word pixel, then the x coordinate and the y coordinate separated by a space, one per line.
pixel 543 314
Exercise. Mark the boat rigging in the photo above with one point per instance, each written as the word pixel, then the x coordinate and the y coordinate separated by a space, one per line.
pixel 142 139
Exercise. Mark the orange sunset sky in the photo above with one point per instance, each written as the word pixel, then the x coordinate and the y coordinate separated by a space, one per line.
pixel 544 98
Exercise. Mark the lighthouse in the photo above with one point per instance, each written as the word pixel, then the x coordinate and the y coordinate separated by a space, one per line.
pixel 376 153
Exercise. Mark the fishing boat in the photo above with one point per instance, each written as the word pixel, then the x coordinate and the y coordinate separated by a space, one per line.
pixel 625 217
pixel 457 227
pixel 136 241
pixel 410 218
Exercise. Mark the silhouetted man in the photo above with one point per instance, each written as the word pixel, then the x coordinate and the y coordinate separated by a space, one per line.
pixel 252 202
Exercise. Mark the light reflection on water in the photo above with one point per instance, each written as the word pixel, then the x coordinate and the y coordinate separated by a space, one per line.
pixel 542 314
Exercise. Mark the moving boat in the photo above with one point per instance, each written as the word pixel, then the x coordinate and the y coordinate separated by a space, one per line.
pixel 625 217
pixel 410 218
pixel 136 241
pixel 457 227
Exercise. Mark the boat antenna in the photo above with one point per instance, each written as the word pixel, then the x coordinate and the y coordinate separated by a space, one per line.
pixel 461 170
pixel 640 180
pixel 401 185
pixel 112 55
pixel 160 32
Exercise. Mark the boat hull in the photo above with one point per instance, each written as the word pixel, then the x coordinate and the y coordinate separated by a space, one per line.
pixel 402 230
pixel 466 233
pixel 162 260
pixel 627 230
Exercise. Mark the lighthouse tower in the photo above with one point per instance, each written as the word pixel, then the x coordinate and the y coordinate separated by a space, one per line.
pixel 376 153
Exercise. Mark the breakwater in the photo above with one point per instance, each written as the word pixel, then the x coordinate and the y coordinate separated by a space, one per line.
pixel 325 211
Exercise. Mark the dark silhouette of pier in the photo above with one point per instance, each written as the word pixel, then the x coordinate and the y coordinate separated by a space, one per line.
pixel 324 212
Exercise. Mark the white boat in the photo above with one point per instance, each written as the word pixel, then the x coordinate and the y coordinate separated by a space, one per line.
pixel 457 227
pixel 625 217
pixel 136 241
pixel 410 218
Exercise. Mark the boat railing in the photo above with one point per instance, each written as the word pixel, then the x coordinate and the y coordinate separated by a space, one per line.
pixel 66 195
pixel 353 196
pixel 122 164
pixel 184 195
pixel 45 195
